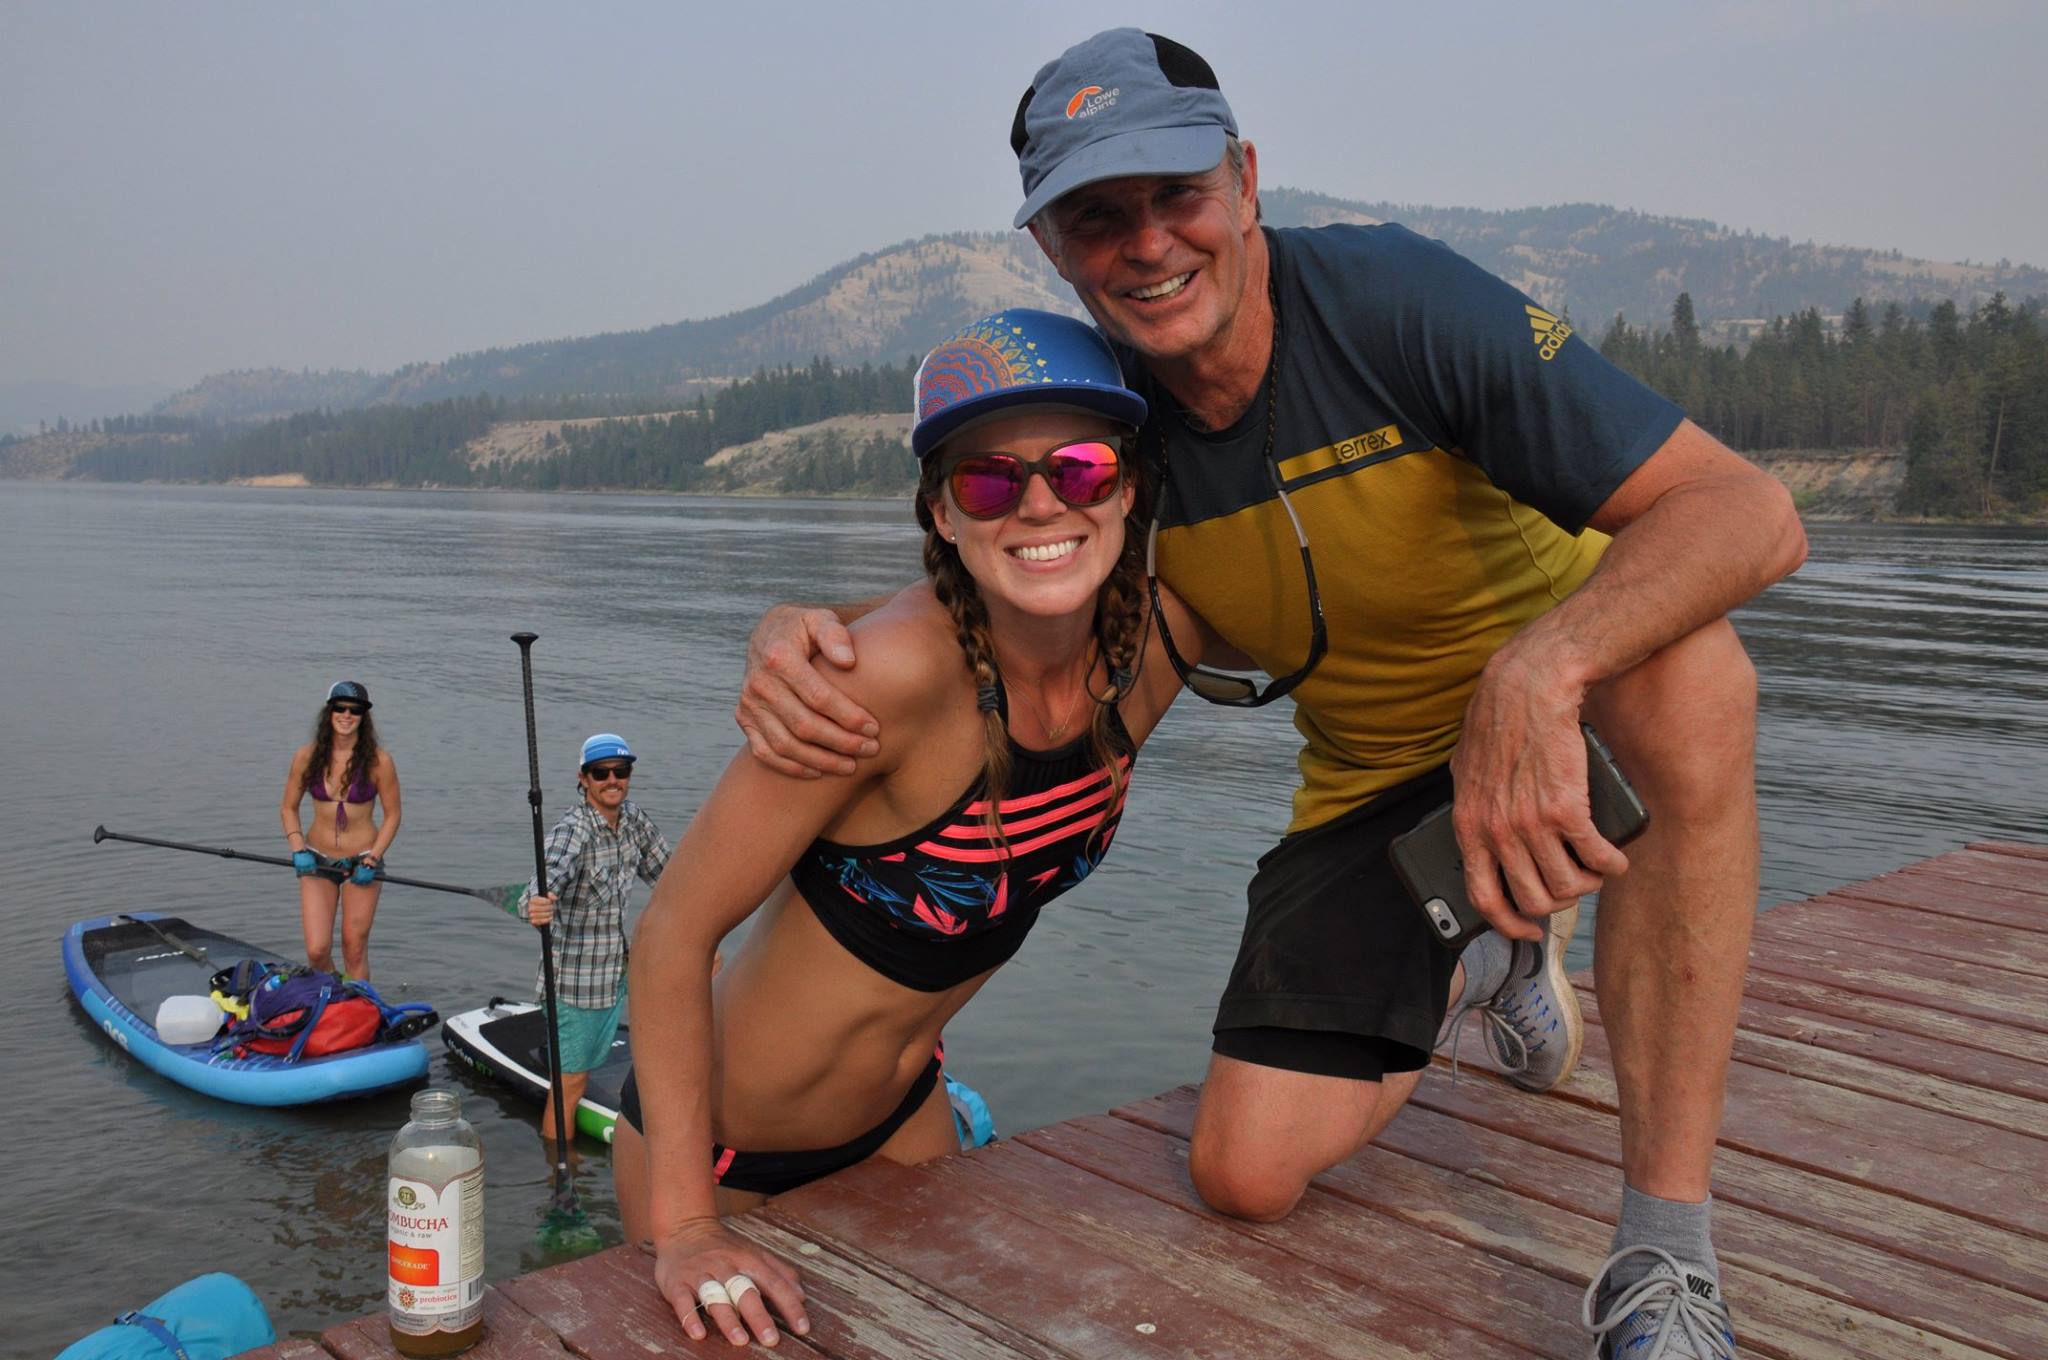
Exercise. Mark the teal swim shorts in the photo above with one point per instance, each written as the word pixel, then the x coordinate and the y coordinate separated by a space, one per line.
pixel 587 1034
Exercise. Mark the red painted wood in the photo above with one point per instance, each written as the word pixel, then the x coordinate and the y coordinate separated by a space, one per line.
pixel 1938 1159
pixel 607 1305
pixel 291 1348
pixel 1912 1053
pixel 1962 1035
pixel 1755 1241
pixel 1974 866
pixel 1281 1291
pixel 1914 1231
pixel 2039 852
pixel 510 1333
pixel 1889 928
pixel 1467 1195
pixel 1941 896
pixel 1943 984
pixel 1084 1298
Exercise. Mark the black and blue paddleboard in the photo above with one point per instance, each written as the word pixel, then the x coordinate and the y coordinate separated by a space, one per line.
pixel 508 1042
pixel 121 968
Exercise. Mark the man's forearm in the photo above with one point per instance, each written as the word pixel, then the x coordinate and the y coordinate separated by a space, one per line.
pixel 1700 551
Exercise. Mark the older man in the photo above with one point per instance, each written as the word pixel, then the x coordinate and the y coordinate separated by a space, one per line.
pixel 1507 536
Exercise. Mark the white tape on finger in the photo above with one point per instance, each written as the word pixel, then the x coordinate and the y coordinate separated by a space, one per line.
pixel 738 1286
pixel 710 1292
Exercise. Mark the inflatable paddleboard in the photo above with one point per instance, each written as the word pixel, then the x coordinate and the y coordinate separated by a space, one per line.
pixel 121 968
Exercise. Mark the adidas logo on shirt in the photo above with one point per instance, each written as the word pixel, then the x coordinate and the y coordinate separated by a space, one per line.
pixel 1551 333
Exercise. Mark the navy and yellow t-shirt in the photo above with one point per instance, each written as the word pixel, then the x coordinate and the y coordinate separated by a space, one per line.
pixel 1444 441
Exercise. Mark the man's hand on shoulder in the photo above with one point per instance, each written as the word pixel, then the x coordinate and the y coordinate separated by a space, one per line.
pixel 797 720
pixel 1523 809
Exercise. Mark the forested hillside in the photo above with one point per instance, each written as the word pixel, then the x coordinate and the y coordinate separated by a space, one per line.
pixel 1591 260
pixel 1967 396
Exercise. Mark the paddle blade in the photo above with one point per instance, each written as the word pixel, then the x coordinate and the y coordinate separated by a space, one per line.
pixel 567 1230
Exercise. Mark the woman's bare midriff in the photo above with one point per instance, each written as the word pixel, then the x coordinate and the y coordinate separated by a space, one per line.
pixel 816 1064
pixel 359 836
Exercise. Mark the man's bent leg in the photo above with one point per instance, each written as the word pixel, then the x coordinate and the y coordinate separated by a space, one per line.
pixel 1673 936
pixel 1263 1133
pixel 1671 952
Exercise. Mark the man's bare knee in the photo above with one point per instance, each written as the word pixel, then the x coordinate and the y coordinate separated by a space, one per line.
pixel 1240 1186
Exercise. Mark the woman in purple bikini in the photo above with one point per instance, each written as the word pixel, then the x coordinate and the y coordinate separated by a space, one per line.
pixel 345 772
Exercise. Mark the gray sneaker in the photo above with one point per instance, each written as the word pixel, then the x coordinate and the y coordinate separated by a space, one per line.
pixel 1532 1022
pixel 1674 1313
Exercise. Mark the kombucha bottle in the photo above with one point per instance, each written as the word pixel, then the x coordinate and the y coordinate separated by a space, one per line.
pixel 434 1209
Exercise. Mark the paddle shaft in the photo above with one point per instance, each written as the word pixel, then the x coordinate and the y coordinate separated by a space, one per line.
pixel 490 895
pixel 565 1191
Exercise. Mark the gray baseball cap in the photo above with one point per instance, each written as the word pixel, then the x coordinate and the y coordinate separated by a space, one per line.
pixel 1124 102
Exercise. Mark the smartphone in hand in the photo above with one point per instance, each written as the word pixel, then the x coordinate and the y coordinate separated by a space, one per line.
pixel 1427 860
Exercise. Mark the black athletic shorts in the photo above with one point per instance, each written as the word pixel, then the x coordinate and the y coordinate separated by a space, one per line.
pixel 1338 973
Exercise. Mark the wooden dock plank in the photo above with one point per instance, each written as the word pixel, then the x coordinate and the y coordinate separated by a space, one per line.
pixel 1277 1292
pixel 1878 926
pixel 1914 1053
pixel 1481 1214
pixel 1820 1067
pixel 1919 1233
pixel 607 1304
pixel 1958 988
pixel 510 1333
pixel 1905 1150
pixel 1946 898
pixel 291 1348
pixel 1762 1243
pixel 1513 1303
pixel 1979 867
pixel 1090 1282
pixel 1960 1035
pixel 2010 848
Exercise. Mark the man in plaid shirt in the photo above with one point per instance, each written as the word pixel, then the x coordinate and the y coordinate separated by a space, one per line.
pixel 594 852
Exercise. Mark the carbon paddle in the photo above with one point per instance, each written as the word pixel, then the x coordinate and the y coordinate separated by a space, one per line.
pixel 566 1227
pixel 502 898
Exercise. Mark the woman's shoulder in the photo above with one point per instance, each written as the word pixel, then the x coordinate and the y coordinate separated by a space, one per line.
pixel 904 653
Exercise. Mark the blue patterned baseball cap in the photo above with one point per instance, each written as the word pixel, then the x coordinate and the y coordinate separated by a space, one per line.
pixel 1018 357
pixel 349 691
pixel 1124 102
pixel 606 746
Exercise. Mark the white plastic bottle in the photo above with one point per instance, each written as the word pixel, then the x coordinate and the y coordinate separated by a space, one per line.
pixel 434 1210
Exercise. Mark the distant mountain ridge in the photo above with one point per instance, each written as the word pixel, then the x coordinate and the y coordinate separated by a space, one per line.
pixel 895 303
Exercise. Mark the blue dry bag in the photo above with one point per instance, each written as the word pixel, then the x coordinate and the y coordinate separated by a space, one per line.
pixel 209 1318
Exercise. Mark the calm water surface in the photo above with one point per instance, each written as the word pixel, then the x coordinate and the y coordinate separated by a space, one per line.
pixel 163 650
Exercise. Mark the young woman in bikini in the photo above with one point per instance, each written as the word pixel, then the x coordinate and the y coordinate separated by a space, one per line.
pixel 887 898
pixel 345 772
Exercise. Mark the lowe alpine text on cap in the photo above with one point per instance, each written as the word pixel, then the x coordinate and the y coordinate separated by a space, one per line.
pixel 1125 102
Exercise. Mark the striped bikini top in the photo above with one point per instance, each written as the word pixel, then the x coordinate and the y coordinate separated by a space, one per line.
pixel 948 902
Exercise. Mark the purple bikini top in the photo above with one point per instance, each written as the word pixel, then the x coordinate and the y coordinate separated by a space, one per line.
pixel 359 791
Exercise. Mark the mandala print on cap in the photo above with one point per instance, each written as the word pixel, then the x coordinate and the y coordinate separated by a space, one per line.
pixel 982 358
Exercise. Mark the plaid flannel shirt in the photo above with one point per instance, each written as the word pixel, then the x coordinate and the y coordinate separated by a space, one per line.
pixel 591 866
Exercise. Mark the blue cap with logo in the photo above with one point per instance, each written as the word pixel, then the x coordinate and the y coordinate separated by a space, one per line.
pixel 348 691
pixel 605 746
pixel 1124 102
pixel 1018 357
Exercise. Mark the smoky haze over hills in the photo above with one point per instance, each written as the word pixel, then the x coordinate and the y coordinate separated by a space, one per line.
pixel 893 304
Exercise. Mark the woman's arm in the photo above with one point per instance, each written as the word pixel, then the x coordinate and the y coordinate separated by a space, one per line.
pixel 385 777
pixel 1158 682
pixel 294 794
pixel 735 853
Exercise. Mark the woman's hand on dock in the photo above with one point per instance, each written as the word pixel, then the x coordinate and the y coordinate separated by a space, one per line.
pixel 695 1268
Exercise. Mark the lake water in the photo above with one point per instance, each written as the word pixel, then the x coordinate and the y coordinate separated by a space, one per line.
pixel 165 649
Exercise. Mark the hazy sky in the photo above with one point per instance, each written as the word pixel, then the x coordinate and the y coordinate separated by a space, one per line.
pixel 195 186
